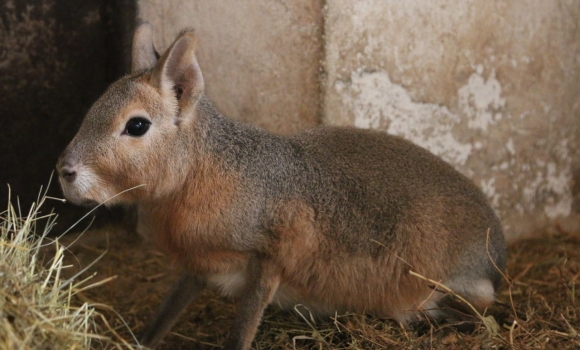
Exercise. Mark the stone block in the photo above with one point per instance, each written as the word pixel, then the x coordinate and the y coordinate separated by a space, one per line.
pixel 260 59
pixel 490 86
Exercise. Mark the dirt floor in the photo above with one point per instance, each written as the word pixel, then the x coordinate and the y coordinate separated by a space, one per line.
pixel 537 309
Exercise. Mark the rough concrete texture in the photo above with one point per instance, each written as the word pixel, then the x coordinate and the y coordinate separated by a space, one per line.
pixel 491 86
pixel 260 59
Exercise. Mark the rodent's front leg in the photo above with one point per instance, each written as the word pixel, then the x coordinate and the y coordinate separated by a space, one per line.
pixel 263 279
pixel 181 295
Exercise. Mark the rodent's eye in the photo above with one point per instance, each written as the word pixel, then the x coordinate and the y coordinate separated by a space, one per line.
pixel 137 126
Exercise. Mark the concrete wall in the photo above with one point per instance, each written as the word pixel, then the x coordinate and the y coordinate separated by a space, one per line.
pixel 260 59
pixel 489 85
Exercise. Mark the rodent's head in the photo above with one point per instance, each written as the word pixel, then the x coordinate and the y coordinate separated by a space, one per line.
pixel 139 133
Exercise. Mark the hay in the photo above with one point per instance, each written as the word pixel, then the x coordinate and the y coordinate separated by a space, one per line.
pixel 538 306
pixel 38 306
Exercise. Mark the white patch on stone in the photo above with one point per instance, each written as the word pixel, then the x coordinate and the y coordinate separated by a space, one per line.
pixel 541 184
pixel 481 100
pixel 549 187
pixel 558 183
pixel 378 103
pixel 488 188
pixel 510 146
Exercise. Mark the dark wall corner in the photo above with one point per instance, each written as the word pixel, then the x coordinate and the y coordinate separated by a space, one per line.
pixel 56 58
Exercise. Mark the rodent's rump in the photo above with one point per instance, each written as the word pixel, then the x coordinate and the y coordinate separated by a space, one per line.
pixel 331 218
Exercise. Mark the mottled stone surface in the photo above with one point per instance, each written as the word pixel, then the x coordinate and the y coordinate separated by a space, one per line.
pixel 260 59
pixel 491 86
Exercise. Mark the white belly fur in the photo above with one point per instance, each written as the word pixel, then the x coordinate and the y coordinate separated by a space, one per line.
pixel 231 285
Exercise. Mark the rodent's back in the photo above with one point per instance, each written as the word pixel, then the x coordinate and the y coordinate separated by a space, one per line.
pixel 394 164
pixel 377 190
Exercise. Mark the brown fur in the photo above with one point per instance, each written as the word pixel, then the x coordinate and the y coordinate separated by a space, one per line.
pixel 331 218
pixel 180 221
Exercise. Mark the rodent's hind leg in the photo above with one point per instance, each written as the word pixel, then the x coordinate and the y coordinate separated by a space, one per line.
pixel 460 313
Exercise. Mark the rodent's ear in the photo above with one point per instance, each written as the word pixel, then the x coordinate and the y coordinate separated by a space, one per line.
pixel 144 55
pixel 177 72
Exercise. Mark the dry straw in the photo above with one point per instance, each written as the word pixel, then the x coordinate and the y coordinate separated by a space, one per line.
pixel 38 309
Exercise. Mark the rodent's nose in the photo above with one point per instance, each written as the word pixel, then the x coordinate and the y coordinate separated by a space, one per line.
pixel 67 165
pixel 68 173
